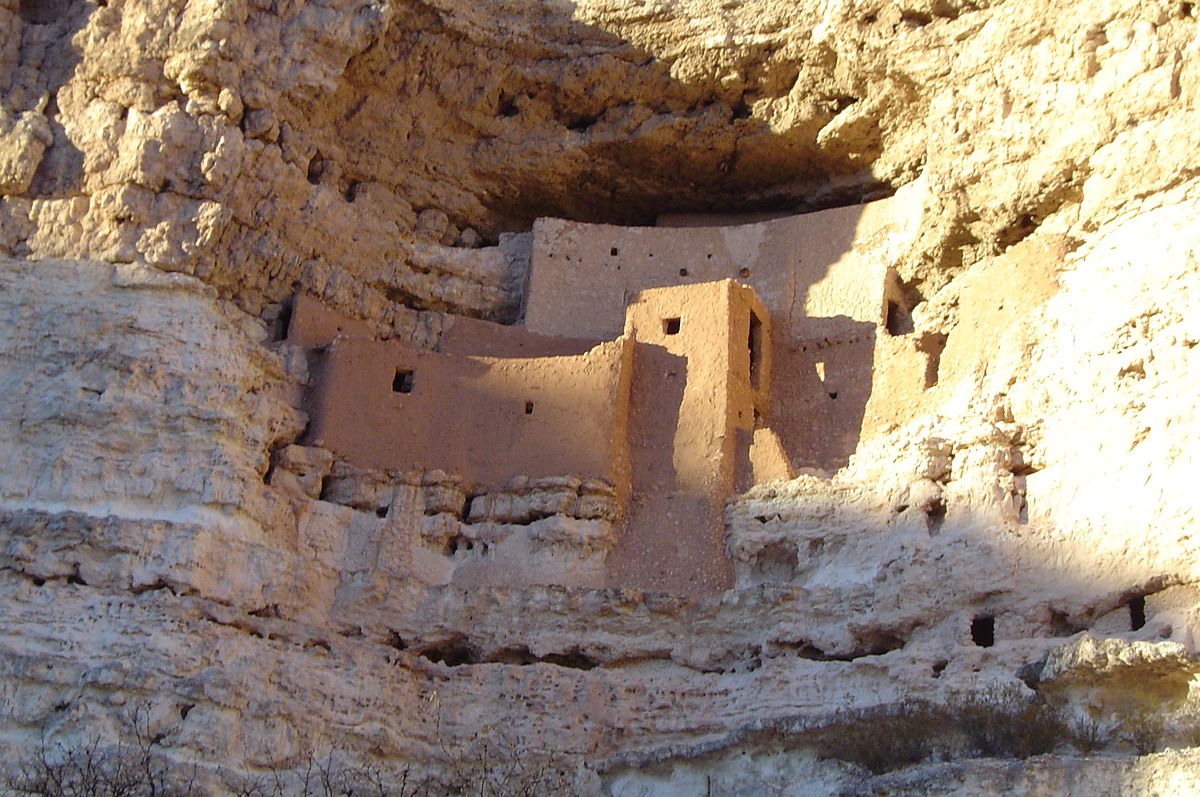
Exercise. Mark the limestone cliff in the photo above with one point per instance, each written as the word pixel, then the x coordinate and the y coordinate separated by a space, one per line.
pixel 995 590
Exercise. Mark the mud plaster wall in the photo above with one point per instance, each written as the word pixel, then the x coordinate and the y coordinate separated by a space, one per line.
pixel 825 279
pixel 384 405
pixel 692 405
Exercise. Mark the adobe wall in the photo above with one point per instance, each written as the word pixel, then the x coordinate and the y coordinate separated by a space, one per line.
pixel 488 419
pixel 310 323
pixel 472 336
pixel 692 408
pixel 824 279
pixel 816 265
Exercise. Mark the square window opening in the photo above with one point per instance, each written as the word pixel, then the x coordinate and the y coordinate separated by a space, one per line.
pixel 529 408
pixel 402 382
pixel 671 326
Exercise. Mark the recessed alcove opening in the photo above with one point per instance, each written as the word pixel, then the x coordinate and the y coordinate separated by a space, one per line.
pixel 402 382
pixel 1137 612
pixel 683 272
pixel 529 408
pixel 671 326
pixel 897 318
pixel 283 321
pixel 935 516
pixel 983 630
pixel 754 342
pixel 614 252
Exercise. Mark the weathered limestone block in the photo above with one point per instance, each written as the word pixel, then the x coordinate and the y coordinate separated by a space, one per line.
pixel 10 38
pixel 23 139
pixel 597 500
pixel 301 470
pixel 444 492
pixel 361 488
pixel 573 536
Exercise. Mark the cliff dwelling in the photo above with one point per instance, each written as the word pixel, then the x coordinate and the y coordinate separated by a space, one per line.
pixel 665 368
pixel 604 399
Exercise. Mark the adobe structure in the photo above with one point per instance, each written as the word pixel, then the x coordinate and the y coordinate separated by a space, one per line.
pixel 663 369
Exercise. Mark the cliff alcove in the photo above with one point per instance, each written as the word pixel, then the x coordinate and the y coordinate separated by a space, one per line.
pixel 958 555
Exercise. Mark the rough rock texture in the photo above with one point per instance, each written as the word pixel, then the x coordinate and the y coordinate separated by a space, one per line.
pixel 997 594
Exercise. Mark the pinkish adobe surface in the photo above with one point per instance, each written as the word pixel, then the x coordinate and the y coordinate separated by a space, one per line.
pixel 666 413
pixel 381 404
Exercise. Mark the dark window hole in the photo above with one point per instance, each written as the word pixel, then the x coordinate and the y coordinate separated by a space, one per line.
pixel 683 272
pixel 184 710
pixel 352 190
pixel 744 273
pixel 1137 612
pixel 938 668
pixel 897 321
pixel 529 408
pixel 983 631
pixel 614 252
pixel 833 395
pixel 671 326
pixel 935 516
pixel 1187 9
pixel 382 511
pixel 283 321
pixel 402 382
pixel 466 510
pixel 754 343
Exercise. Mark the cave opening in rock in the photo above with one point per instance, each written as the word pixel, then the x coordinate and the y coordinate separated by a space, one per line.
pixel 1137 612
pixel 983 631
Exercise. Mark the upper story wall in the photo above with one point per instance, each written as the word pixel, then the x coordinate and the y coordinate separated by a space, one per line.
pixel 832 263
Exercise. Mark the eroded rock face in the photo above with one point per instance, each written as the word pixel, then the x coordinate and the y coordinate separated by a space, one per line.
pixel 1011 548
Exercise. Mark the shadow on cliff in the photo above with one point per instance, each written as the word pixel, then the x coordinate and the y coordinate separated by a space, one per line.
pixel 48 29
pixel 561 117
